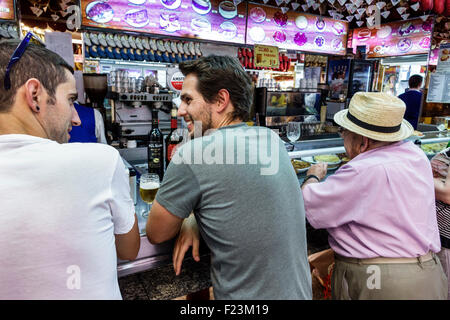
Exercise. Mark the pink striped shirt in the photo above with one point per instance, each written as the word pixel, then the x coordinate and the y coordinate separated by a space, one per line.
pixel 380 204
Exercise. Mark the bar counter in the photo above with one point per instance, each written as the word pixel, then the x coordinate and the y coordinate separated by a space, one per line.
pixel 151 275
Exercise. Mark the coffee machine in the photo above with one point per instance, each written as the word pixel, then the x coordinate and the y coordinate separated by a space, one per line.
pixel 132 101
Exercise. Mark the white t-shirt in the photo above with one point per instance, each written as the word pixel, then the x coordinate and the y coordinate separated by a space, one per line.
pixel 99 127
pixel 60 206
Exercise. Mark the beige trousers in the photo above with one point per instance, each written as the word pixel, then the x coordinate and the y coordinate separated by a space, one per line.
pixel 444 256
pixel 401 281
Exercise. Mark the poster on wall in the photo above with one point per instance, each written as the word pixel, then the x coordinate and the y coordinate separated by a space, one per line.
pixel 338 77
pixel 395 39
pixel 296 31
pixel 7 10
pixel 219 20
pixel 391 75
pixel 266 56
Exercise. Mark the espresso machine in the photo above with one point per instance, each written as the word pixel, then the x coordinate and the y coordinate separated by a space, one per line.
pixel 132 100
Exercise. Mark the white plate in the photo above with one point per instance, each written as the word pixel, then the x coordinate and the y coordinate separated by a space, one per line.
pixel 12 30
pixel 110 40
pixel 180 47
pixel 197 49
pixel 4 31
pixel 132 41
pixel 102 39
pixel 257 34
pixel 167 46
pixel 139 43
pixel 87 40
pixel 301 170
pixel 104 17
pixel 173 46
pixel 331 165
pixel 160 46
pixel 153 46
pixel 192 48
pixel 145 43
pixel 124 40
pixel 94 39
pixel 117 41
pixel 186 48
pixel 138 2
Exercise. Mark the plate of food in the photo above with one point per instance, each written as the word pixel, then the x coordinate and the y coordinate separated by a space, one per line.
pixel 404 45
pixel 433 148
pixel 332 160
pixel 343 157
pixel 171 4
pixel 301 22
pixel 300 165
pixel 201 6
pixel 99 11
pixel 227 9
pixel 320 24
pixel 257 15
pixel 228 30
pixel 280 18
pixel 137 18
pixel 279 36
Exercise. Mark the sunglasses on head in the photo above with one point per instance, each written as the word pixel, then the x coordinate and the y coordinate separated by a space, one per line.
pixel 18 54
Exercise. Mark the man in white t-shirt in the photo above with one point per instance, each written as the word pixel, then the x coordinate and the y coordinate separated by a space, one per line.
pixel 66 212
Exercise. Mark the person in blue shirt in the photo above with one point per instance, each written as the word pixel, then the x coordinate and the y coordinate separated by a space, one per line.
pixel 92 128
pixel 413 99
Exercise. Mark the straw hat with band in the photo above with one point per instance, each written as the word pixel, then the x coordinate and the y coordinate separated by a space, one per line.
pixel 375 115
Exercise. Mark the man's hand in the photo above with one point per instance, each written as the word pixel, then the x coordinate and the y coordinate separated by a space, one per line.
pixel 318 169
pixel 189 236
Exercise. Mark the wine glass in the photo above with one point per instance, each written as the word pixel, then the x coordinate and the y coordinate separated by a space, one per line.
pixel 442 128
pixel 148 187
pixel 293 131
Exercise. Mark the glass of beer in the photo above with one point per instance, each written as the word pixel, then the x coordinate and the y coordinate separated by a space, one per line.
pixel 148 187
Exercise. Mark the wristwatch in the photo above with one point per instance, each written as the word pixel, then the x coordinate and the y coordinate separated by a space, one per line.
pixel 309 176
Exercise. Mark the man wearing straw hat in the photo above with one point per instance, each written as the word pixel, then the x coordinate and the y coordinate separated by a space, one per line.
pixel 378 208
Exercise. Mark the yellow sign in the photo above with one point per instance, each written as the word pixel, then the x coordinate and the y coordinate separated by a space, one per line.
pixel 266 56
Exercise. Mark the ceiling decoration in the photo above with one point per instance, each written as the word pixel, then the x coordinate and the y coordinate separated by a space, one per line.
pixel 365 12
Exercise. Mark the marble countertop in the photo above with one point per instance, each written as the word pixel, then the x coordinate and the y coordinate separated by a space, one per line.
pixel 162 284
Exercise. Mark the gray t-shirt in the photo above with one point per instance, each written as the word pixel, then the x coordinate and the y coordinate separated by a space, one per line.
pixel 246 198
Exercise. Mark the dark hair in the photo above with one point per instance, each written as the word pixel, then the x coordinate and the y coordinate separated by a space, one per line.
pixel 36 62
pixel 415 81
pixel 221 72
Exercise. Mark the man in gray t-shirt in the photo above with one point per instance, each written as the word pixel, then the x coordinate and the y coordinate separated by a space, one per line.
pixel 239 183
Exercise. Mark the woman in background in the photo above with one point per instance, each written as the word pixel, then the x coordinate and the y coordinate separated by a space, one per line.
pixel 440 164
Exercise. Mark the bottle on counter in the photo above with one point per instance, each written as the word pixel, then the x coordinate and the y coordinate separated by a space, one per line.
pixel 155 149
pixel 174 138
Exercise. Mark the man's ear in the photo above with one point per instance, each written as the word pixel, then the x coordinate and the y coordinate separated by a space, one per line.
pixel 365 142
pixel 223 98
pixel 33 94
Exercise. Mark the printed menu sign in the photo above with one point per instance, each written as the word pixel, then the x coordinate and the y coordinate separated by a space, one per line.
pixel 395 39
pixel 443 62
pixel 439 87
pixel 7 10
pixel 297 31
pixel 266 56
pixel 218 20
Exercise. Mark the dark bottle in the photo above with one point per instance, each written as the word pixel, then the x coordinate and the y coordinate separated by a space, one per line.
pixel 155 149
pixel 173 139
